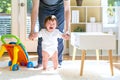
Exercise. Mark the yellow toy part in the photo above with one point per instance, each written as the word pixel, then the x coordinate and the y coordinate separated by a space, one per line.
pixel 2 50
pixel 15 51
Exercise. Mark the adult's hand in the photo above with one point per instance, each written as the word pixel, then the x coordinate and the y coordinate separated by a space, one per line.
pixel 31 36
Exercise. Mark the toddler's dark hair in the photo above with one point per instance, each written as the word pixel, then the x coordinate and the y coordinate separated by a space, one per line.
pixel 52 18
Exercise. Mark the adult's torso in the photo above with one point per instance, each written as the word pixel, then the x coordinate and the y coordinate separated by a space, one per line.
pixel 51 2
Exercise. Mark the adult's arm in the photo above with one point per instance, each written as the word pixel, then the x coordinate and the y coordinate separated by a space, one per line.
pixel 34 15
pixel 67 14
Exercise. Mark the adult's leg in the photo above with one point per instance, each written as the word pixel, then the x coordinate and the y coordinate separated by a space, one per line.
pixel 60 17
pixel 39 52
pixel 60 51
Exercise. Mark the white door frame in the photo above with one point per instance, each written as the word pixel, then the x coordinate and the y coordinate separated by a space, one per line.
pixel 14 16
pixel 19 15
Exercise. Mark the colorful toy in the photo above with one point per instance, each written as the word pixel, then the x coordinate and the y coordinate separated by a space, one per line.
pixel 16 51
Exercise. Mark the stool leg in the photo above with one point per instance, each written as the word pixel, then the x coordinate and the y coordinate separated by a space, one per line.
pixel 82 62
pixel 97 54
pixel 111 62
pixel 74 53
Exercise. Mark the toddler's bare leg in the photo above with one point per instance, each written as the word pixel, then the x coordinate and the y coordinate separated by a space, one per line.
pixel 45 57
pixel 55 60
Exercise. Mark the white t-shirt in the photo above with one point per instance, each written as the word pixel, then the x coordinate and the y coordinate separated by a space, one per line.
pixel 49 40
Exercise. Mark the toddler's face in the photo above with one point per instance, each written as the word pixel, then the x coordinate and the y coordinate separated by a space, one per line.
pixel 51 25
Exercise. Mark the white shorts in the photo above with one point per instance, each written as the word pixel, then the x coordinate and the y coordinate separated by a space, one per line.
pixel 50 50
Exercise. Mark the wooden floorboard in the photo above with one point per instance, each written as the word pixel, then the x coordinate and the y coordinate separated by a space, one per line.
pixel 34 56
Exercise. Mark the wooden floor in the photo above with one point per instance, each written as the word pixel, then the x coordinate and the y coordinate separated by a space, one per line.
pixel 34 57
pixel 116 59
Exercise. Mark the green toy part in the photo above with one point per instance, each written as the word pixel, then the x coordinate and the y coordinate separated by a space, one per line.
pixel 0 37
pixel 9 36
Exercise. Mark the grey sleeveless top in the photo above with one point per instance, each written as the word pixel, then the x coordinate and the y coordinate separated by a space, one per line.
pixel 51 2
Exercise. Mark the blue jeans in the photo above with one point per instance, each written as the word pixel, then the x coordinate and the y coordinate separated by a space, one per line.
pixel 58 11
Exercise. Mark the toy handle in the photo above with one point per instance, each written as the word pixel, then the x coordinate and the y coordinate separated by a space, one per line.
pixel 9 36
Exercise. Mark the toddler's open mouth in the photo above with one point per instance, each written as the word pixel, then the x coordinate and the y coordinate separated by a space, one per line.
pixel 50 27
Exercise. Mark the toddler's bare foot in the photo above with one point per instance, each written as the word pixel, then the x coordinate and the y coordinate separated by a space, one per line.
pixel 55 68
pixel 44 69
